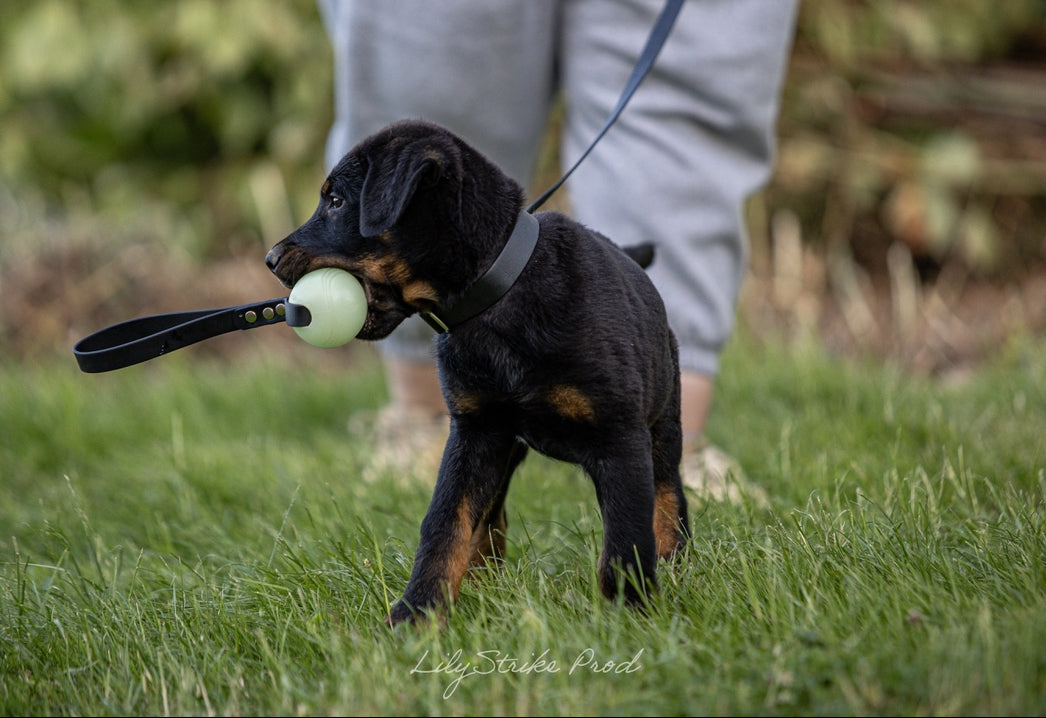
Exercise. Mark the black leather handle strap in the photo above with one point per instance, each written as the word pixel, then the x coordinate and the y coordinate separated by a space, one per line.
pixel 138 340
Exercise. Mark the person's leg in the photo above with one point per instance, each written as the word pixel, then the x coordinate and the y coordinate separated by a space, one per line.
pixel 484 70
pixel 697 390
pixel 693 144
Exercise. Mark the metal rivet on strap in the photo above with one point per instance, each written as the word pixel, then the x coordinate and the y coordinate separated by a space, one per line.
pixel 268 313
pixel 280 309
pixel 251 316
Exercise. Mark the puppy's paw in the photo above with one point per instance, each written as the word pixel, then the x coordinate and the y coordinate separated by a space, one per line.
pixel 402 614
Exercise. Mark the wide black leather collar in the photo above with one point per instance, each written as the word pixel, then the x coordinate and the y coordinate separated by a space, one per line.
pixel 495 282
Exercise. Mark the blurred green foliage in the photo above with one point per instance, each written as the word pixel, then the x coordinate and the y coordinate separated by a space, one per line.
pixel 851 33
pixel 201 111
pixel 204 121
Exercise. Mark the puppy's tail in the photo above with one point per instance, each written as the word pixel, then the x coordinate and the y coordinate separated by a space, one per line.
pixel 642 254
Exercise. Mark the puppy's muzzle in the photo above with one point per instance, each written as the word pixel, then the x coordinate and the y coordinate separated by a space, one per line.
pixel 284 263
pixel 272 259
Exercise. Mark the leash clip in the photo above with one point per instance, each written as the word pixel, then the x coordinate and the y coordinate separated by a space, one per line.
pixel 435 322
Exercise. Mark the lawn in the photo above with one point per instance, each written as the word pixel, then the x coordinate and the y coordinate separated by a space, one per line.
pixel 192 536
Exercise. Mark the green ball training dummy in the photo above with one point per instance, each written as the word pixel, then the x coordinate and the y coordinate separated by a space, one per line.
pixel 336 303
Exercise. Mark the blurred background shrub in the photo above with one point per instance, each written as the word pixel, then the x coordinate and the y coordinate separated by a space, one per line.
pixel 207 116
pixel 212 116
pixel 912 148
pixel 922 121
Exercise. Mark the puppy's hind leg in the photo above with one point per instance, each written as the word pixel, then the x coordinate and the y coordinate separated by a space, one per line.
pixel 625 490
pixel 671 522
pixel 488 540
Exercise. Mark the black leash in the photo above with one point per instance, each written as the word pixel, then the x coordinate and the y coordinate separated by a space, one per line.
pixel 139 340
pixel 507 267
pixel 656 40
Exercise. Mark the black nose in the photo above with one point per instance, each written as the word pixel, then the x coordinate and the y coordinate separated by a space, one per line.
pixel 272 259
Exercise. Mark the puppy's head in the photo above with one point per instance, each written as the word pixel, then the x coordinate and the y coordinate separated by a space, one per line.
pixel 408 212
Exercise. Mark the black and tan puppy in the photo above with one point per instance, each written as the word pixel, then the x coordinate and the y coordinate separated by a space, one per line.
pixel 575 360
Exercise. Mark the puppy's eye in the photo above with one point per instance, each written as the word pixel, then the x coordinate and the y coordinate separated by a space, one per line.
pixel 335 201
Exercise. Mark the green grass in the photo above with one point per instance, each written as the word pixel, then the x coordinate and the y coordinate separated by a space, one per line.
pixel 191 537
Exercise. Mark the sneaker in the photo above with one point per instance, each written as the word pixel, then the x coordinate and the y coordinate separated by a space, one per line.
pixel 710 474
pixel 404 444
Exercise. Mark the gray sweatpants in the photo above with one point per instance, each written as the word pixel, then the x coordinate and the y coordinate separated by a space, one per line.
pixel 696 140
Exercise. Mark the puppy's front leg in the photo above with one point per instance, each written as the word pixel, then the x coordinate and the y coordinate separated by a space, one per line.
pixel 472 482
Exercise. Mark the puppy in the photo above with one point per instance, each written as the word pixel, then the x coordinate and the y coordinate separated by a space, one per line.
pixel 572 358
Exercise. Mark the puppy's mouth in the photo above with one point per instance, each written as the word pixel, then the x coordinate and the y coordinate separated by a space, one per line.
pixel 392 292
pixel 385 306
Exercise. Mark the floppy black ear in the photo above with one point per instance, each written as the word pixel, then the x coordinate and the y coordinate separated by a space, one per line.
pixel 392 178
